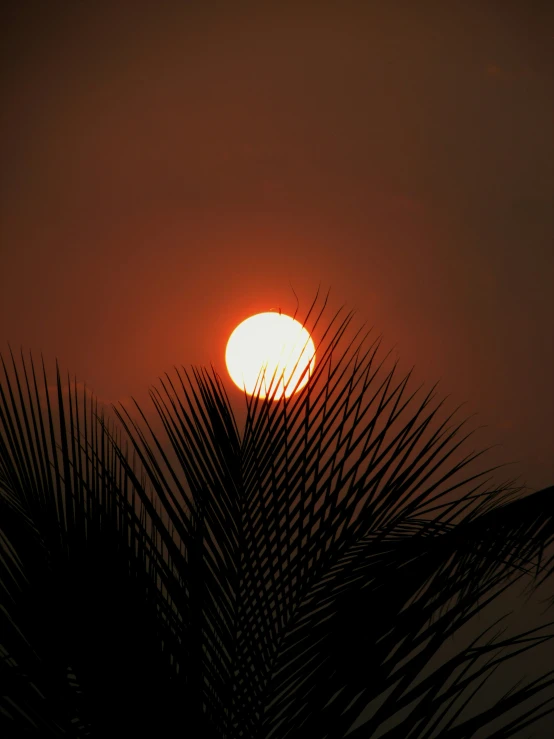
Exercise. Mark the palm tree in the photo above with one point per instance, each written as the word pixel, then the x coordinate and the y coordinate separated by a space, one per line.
pixel 271 583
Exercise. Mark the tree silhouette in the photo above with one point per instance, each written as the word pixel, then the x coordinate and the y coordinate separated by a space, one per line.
pixel 270 583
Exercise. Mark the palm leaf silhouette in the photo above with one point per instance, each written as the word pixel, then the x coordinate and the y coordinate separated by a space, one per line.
pixel 272 583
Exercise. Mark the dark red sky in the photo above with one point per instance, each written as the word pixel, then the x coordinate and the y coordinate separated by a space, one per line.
pixel 167 168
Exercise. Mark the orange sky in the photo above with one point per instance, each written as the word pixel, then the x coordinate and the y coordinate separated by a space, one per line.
pixel 167 168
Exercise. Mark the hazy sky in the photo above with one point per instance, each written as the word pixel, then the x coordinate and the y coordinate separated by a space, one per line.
pixel 167 168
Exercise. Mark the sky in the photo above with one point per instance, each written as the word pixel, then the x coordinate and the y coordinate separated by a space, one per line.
pixel 168 169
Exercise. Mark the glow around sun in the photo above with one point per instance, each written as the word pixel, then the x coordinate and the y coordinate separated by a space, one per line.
pixel 270 351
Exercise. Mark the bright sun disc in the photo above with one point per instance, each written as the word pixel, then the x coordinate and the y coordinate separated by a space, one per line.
pixel 270 351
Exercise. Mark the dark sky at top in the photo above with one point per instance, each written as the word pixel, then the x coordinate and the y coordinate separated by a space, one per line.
pixel 167 168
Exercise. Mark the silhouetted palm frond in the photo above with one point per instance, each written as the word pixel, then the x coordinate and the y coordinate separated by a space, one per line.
pixel 270 583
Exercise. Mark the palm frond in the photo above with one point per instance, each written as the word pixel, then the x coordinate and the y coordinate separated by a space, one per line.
pixel 81 577
pixel 273 583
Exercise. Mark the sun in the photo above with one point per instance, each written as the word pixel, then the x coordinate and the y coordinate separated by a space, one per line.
pixel 270 352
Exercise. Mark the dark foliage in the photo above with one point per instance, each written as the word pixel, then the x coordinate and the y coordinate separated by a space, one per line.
pixel 265 584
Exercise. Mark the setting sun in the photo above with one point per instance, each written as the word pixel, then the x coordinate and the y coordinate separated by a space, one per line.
pixel 270 352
